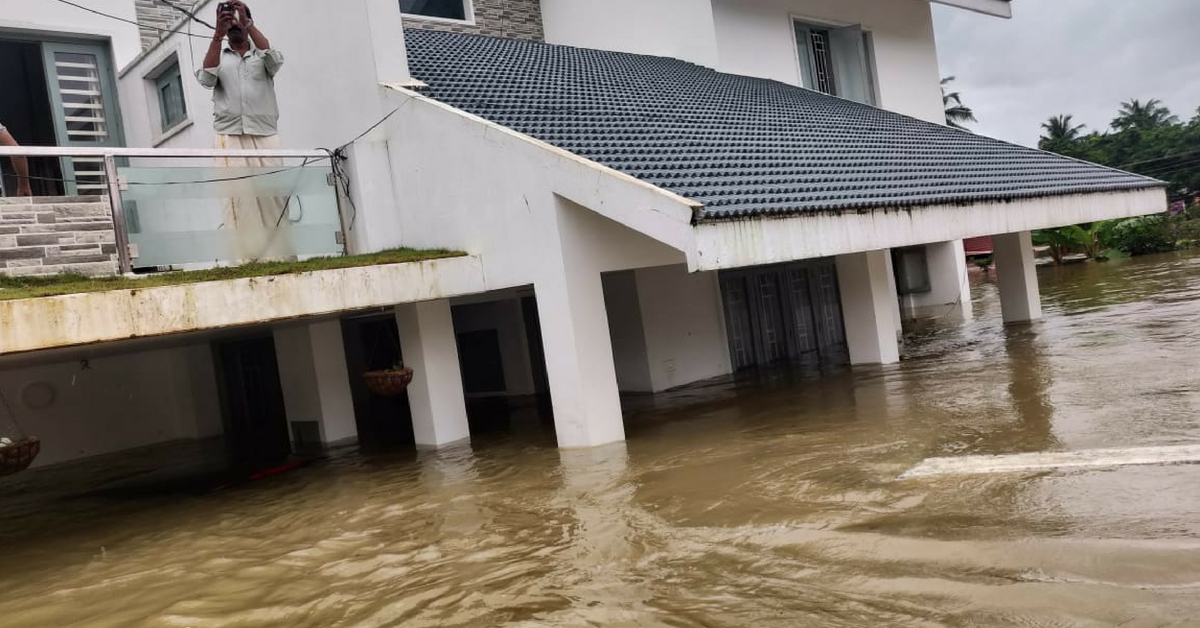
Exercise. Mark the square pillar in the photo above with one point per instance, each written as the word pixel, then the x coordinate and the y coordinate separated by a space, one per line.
pixel 1016 274
pixel 579 361
pixel 315 381
pixel 439 410
pixel 868 307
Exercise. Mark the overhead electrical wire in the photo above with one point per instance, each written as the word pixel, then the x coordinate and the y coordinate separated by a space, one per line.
pixel 121 19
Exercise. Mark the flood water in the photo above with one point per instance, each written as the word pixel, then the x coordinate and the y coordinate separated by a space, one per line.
pixel 772 502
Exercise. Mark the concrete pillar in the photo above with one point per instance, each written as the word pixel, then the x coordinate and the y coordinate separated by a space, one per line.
pixel 579 360
pixel 439 410
pixel 316 384
pixel 867 307
pixel 1016 275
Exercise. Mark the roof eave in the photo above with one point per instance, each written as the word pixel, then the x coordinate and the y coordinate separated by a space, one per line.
pixel 998 8
pixel 759 240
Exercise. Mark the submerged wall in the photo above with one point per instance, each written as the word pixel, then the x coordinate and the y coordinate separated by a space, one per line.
pixel 106 404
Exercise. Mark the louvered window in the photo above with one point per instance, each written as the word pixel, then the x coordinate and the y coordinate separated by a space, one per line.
pixel 79 83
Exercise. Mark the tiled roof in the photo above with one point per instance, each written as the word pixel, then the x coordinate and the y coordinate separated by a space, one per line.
pixel 740 146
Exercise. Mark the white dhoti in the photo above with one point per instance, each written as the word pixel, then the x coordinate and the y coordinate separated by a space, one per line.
pixel 260 225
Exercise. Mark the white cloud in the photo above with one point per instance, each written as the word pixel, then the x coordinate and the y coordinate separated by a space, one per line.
pixel 1081 57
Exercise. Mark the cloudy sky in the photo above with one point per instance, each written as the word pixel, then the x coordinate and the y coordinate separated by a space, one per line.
pixel 1082 57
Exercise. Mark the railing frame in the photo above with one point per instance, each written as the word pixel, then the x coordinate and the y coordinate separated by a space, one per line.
pixel 111 155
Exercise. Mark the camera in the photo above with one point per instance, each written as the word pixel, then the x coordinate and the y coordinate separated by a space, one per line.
pixel 225 7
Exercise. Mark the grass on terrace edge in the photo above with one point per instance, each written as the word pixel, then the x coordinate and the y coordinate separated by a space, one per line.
pixel 12 288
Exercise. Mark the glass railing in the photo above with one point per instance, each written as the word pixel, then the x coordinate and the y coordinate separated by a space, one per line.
pixel 197 215
pixel 175 209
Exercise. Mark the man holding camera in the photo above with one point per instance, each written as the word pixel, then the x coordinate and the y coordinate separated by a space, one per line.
pixel 241 74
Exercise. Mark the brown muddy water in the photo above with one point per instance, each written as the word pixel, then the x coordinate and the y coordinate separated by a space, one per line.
pixel 771 502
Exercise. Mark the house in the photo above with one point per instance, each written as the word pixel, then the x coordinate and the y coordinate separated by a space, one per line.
pixel 648 195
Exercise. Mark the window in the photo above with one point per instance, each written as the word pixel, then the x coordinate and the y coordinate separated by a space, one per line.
pixel 171 102
pixel 837 61
pixel 445 9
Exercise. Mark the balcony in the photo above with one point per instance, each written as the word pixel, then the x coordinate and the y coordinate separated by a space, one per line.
pixel 159 242
pixel 146 211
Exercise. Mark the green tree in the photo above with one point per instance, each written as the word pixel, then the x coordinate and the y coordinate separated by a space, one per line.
pixel 1060 131
pixel 957 114
pixel 1058 241
pixel 1143 117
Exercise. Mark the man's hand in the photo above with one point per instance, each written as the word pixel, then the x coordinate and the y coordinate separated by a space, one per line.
pixel 243 13
pixel 224 22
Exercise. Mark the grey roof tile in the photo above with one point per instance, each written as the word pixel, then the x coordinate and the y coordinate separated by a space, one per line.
pixel 741 146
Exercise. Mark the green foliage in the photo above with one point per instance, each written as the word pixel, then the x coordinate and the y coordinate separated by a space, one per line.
pixel 1093 239
pixel 1146 235
pixel 1059 243
pixel 1146 138
pixel 957 114
pixel 1060 133
pixel 1143 117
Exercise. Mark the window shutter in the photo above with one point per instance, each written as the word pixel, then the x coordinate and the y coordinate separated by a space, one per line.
pixel 807 67
pixel 850 64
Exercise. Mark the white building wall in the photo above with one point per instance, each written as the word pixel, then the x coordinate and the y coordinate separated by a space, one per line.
pixel 48 18
pixel 473 186
pixel 117 402
pixel 668 28
pixel 756 38
pixel 684 326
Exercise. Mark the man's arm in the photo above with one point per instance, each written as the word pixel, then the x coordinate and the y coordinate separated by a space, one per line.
pixel 207 74
pixel 20 164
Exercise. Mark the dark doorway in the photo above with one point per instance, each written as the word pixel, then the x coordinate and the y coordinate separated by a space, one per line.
pixel 789 313
pixel 372 343
pixel 256 424
pixel 25 109
pixel 482 362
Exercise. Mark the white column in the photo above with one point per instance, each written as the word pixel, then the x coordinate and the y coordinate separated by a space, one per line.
pixel 316 384
pixel 867 307
pixel 579 360
pixel 439 410
pixel 1016 274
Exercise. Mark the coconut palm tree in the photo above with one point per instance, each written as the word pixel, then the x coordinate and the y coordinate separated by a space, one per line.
pixel 1061 129
pixel 1060 132
pixel 957 114
pixel 1143 116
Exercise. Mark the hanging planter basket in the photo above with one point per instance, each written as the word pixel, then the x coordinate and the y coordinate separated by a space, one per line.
pixel 388 382
pixel 17 457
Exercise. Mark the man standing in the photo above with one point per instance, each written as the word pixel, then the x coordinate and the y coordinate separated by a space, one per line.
pixel 246 116
pixel 20 164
